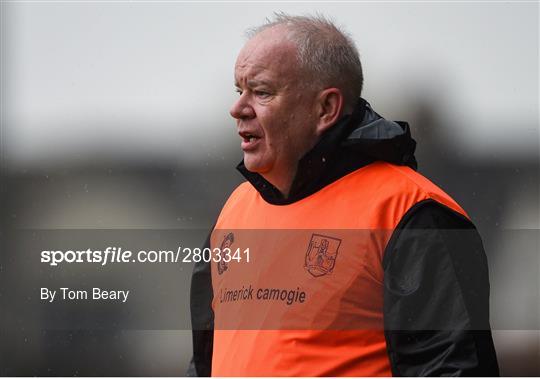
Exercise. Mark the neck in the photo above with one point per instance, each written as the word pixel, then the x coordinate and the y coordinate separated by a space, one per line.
pixel 282 182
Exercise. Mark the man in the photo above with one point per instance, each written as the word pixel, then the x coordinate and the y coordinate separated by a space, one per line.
pixel 394 280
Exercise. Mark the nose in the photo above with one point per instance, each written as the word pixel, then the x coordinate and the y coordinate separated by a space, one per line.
pixel 241 109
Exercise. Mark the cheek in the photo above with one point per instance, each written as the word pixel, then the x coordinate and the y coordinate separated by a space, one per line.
pixel 275 147
pixel 281 129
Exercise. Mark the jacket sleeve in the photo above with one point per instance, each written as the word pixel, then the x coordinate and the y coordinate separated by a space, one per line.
pixel 436 296
pixel 202 319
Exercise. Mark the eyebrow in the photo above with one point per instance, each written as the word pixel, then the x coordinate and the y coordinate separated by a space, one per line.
pixel 253 83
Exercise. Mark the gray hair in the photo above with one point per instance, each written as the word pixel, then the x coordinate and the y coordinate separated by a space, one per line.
pixel 325 52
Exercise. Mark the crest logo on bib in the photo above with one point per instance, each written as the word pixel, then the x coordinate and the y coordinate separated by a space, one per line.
pixel 321 254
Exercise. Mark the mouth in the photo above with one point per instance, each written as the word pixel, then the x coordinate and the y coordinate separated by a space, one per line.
pixel 249 140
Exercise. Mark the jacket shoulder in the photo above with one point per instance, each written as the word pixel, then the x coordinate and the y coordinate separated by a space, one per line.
pixel 413 181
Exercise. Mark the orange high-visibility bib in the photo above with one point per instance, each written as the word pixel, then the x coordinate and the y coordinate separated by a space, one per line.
pixel 310 300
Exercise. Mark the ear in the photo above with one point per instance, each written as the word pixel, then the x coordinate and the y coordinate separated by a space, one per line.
pixel 329 108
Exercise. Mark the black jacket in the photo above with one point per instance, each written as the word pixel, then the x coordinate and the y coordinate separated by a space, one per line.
pixel 436 285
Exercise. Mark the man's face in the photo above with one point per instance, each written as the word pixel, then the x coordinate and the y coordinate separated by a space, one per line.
pixel 275 116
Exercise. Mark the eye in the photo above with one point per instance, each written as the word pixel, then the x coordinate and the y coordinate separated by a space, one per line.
pixel 238 91
pixel 261 94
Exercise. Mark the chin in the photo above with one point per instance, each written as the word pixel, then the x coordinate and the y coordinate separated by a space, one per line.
pixel 254 166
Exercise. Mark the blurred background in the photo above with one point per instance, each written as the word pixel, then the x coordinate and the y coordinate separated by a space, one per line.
pixel 114 117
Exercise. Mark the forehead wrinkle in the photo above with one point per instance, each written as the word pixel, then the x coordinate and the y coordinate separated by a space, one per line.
pixel 250 76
